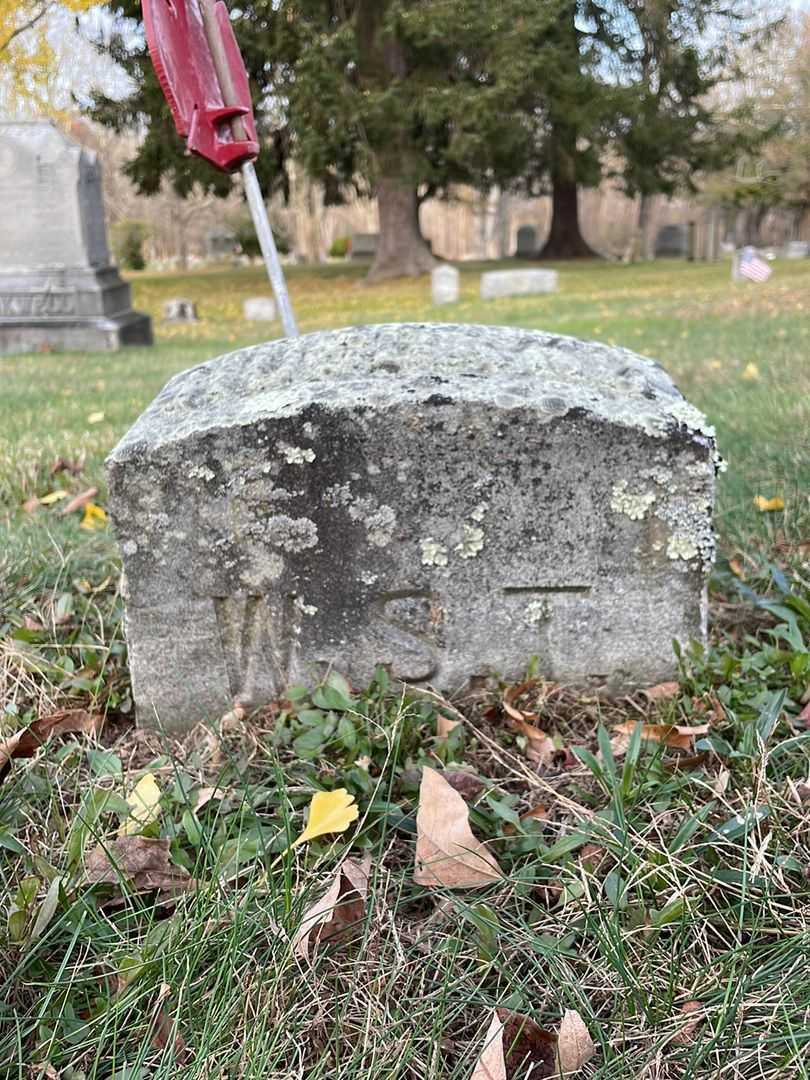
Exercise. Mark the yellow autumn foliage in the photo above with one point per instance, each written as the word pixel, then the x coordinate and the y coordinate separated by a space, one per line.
pixel 27 60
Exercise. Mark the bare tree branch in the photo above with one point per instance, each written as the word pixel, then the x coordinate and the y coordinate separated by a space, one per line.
pixel 32 22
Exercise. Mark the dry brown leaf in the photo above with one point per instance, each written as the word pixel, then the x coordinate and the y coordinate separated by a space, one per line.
pixel 511 695
pixel 25 743
pixel 143 861
pixel 162 1027
pixel 447 853
pixel 537 813
pixel 78 502
pixel 662 692
pixel 803 719
pixel 339 912
pixel 30 505
pixel 468 785
pixel 676 736
pixel 61 465
pixel 206 794
pixel 694 1010
pixel 515 1044
pixel 444 725
pixel 574 1045
pixel 540 747
pixel 491 1064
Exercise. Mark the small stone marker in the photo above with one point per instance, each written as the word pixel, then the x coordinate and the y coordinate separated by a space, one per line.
pixel 444 284
pixel 220 243
pixel 444 500
pixel 526 242
pixel 260 309
pixel 180 310
pixel 499 283
pixel 672 241
pixel 364 245
pixel 58 287
pixel 797 249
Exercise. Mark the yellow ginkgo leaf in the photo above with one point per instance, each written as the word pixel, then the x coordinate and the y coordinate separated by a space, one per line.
pixel 94 517
pixel 768 505
pixel 53 497
pixel 144 806
pixel 329 812
pixel 750 373
pixel 95 417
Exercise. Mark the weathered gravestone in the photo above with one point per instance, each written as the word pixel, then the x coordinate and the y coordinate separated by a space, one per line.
pixel 260 309
pixel 444 500
pixel 444 284
pixel 58 288
pixel 498 283
pixel 526 242
pixel 179 309
pixel 797 249
pixel 220 243
pixel 672 241
pixel 364 245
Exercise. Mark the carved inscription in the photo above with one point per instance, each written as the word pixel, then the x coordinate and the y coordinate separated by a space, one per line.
pixel 42 303
pixel 412 621
pixel 259 637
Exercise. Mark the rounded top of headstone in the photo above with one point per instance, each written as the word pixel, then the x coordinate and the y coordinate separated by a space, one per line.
pixel 390 365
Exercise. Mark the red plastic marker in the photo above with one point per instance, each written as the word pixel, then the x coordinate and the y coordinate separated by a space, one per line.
pixel 203 77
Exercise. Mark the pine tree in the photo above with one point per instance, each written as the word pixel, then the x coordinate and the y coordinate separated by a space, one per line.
pixel 395 98
pixel 404 98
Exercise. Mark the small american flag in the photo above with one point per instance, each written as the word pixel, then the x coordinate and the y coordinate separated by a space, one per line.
pixel 751 266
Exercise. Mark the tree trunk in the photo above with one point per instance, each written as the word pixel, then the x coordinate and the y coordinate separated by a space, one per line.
pixel 638 247
pixel 565 241
pixel 401 249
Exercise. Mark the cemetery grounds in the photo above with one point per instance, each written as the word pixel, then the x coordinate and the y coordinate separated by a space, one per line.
pixel 660 886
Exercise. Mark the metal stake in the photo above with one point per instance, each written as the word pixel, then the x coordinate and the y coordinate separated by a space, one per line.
pixel 258 212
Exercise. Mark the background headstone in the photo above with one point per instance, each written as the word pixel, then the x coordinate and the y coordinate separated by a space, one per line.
pixel 179 309
pixel 444 284
pixel 444 500
pixel 672 241
pixel 364 245
pixel 797 249
pixel 526 242
pixel 498 283
pixel 260 309
pixel 58 287
pixel 220 243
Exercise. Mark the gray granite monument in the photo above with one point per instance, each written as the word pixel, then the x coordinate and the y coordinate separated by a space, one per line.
pixel 499 283
pixel 364 245
pixel 444 500
pixel 180 309
pixel 259 309
pixel 672 241
pixel 526 247
pixel 58 287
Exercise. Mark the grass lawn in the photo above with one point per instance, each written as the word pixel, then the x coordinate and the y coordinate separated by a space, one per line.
pixel 662 892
